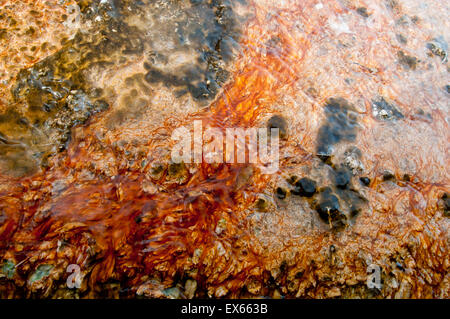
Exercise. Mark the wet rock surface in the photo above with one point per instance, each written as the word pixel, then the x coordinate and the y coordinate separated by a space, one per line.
pixel 337 203
pixel 187 51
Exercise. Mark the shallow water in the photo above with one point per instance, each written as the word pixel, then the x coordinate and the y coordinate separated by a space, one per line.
pixel 85 149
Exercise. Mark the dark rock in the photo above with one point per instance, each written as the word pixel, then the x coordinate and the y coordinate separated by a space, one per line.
pixel 328 207
pixel 304 187
pixel 354 210
pixel 362 12
pixel 409 62
pixel 384 111
pixel 325 158
pixel 292 180
pixel 340 125
pixel 281 193
pixel 154 76
pixel 262 205
pixel 353 200
pixel 446 200
pixel 199 92
pixel 400 266
pixel 402 39
pixel 439 48
pixel 342 178
pixel 280 123
pixel 388 176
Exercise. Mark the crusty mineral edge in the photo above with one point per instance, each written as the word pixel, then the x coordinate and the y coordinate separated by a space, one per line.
pixel 287 249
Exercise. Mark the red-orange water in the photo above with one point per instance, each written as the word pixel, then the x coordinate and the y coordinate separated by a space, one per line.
pixel 175 223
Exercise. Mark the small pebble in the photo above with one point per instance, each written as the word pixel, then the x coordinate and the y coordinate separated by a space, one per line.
pixel 388 176
pixel 342 178
pixel 362 12
pixel 262 205
pixel 304 187
pixel 328 206
pixel 365 181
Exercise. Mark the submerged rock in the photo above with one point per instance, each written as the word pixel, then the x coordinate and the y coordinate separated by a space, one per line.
pixel 281 193
pixel 64 90
pixel 342 178
pixel 439 48
pixel 279 123
pixel 340 125
pixel 407 61
pixel 365 181
pixel 329 209
pixel 304 187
